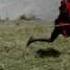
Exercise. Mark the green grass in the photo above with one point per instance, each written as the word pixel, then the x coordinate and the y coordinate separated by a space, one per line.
pixel 14 55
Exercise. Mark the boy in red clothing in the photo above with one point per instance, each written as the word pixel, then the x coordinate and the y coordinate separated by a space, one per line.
pixel 62 24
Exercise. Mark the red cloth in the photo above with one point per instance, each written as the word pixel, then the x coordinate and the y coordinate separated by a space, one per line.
pixel 68 7
pixel 64 29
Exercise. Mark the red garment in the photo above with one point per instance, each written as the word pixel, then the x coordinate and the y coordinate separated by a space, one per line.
pixel 64 29
pixel 67 3
pixel 68 7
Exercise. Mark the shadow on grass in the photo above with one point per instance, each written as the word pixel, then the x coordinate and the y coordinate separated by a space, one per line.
pixel 1 68
pixel 50 52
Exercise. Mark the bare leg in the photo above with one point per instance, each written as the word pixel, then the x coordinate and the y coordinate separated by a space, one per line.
pixel 54 35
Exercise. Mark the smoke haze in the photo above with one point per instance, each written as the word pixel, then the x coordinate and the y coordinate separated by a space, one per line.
pixel 45 9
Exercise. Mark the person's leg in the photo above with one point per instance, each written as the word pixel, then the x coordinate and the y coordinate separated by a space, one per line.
pixel 54 35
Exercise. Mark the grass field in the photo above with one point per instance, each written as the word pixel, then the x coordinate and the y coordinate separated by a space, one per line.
pixel 14 55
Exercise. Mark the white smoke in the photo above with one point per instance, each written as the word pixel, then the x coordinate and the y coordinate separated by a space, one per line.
pixel 46 9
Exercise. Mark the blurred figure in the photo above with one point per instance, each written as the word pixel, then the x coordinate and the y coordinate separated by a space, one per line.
pixel 62 24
